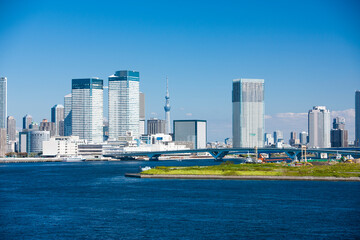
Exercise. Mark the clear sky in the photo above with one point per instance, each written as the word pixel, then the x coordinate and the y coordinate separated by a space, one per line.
pixel 307 51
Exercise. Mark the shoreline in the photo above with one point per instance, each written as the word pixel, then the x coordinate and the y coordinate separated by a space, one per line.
pixel 221 177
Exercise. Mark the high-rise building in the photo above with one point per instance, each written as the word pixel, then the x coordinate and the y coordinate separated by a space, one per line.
pixel 319 127
pixel 87 109
pixel 27 120
pixel 11 128
pixel 142 113
pixel 124 104
pixel 269 140
pixel 303 138
pixel 3 102
pixel 48 126
pixel 248 112
pixel 278 136
pixel 3 142
pixel 155 126
pixel 293 139
pixel 357 118
pixel 167 109
pixel 194 131
pixel 338 135
pixel 57 115
pixel 67 115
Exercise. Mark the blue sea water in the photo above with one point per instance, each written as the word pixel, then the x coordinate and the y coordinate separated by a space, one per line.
pixel 93 200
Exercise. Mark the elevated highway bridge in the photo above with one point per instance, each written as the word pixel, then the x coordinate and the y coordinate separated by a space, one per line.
pixel 220 153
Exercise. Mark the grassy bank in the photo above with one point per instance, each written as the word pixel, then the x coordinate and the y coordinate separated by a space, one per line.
pixel 268 169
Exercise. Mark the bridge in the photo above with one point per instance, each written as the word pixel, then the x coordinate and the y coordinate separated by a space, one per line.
pixel 220 153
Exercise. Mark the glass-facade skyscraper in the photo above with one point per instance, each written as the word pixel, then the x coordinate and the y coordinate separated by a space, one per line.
pixel 124 103
pixel 67 115
pixel 357 118
pixel 57 115
pixel 87 109
pixel 248 113
pixel 3 101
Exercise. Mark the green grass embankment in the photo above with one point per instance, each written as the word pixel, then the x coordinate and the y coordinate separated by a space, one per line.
pixel 268 169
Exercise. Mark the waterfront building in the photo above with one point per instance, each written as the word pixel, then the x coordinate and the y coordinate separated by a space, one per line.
pixel 167 109
pixel 303 136
pixel 124 106
pixel 269 140
pixel 105 129
pixel 62 146
pixel 155 126
pixel 278 136
pixel 3 102
pixel 27 120
pixel 24 141
pixel 11 128
pixel 3 142
pixel 57 115
pixel 36 140
pixel 194 131
pixel 48 126
pixel 338 135
pixel 141 113
pixel 87 109
pixel 67 115
pixel 319 127
pixel 248 112
pixel 357 118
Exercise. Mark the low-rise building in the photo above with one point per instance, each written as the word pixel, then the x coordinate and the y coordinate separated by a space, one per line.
pixel 62 146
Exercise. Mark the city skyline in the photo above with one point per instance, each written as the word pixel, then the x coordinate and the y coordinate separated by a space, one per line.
pixel 301 60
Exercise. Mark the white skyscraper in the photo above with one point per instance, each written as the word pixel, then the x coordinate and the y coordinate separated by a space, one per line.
pixel 3 101
pixel 124 104
pixel 248 112
pixel 319 127
pixel 167 109
pixel 87 109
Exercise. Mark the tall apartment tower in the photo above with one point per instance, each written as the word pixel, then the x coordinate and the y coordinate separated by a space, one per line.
pixel 319 127
pixel 3 102
pixel 357 118
pixel 167 109
pixel 278 136
pixel 338 135
pixel 27 120
pixel 155 126
pixel 11 128
pixel 248 112
pixel 87 109
pixel 67 115
pixel 141 113
pixel 124 104
pixel 303 136
pixel 57 115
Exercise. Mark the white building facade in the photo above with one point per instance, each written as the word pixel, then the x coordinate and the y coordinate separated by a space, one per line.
pixel 124 104
pixel 248 112
pixel 319 126
pixel 87 109
pixel 62 146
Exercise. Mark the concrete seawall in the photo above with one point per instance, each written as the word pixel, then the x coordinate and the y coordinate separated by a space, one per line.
pixel 219 177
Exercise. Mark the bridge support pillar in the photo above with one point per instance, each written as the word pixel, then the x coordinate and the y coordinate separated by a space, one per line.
pixel 219 155
pixel 154 157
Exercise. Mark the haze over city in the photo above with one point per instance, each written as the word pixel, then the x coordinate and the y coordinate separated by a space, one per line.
pixel 308 53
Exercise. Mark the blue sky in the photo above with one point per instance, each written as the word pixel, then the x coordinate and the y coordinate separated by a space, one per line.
pixel 308 52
